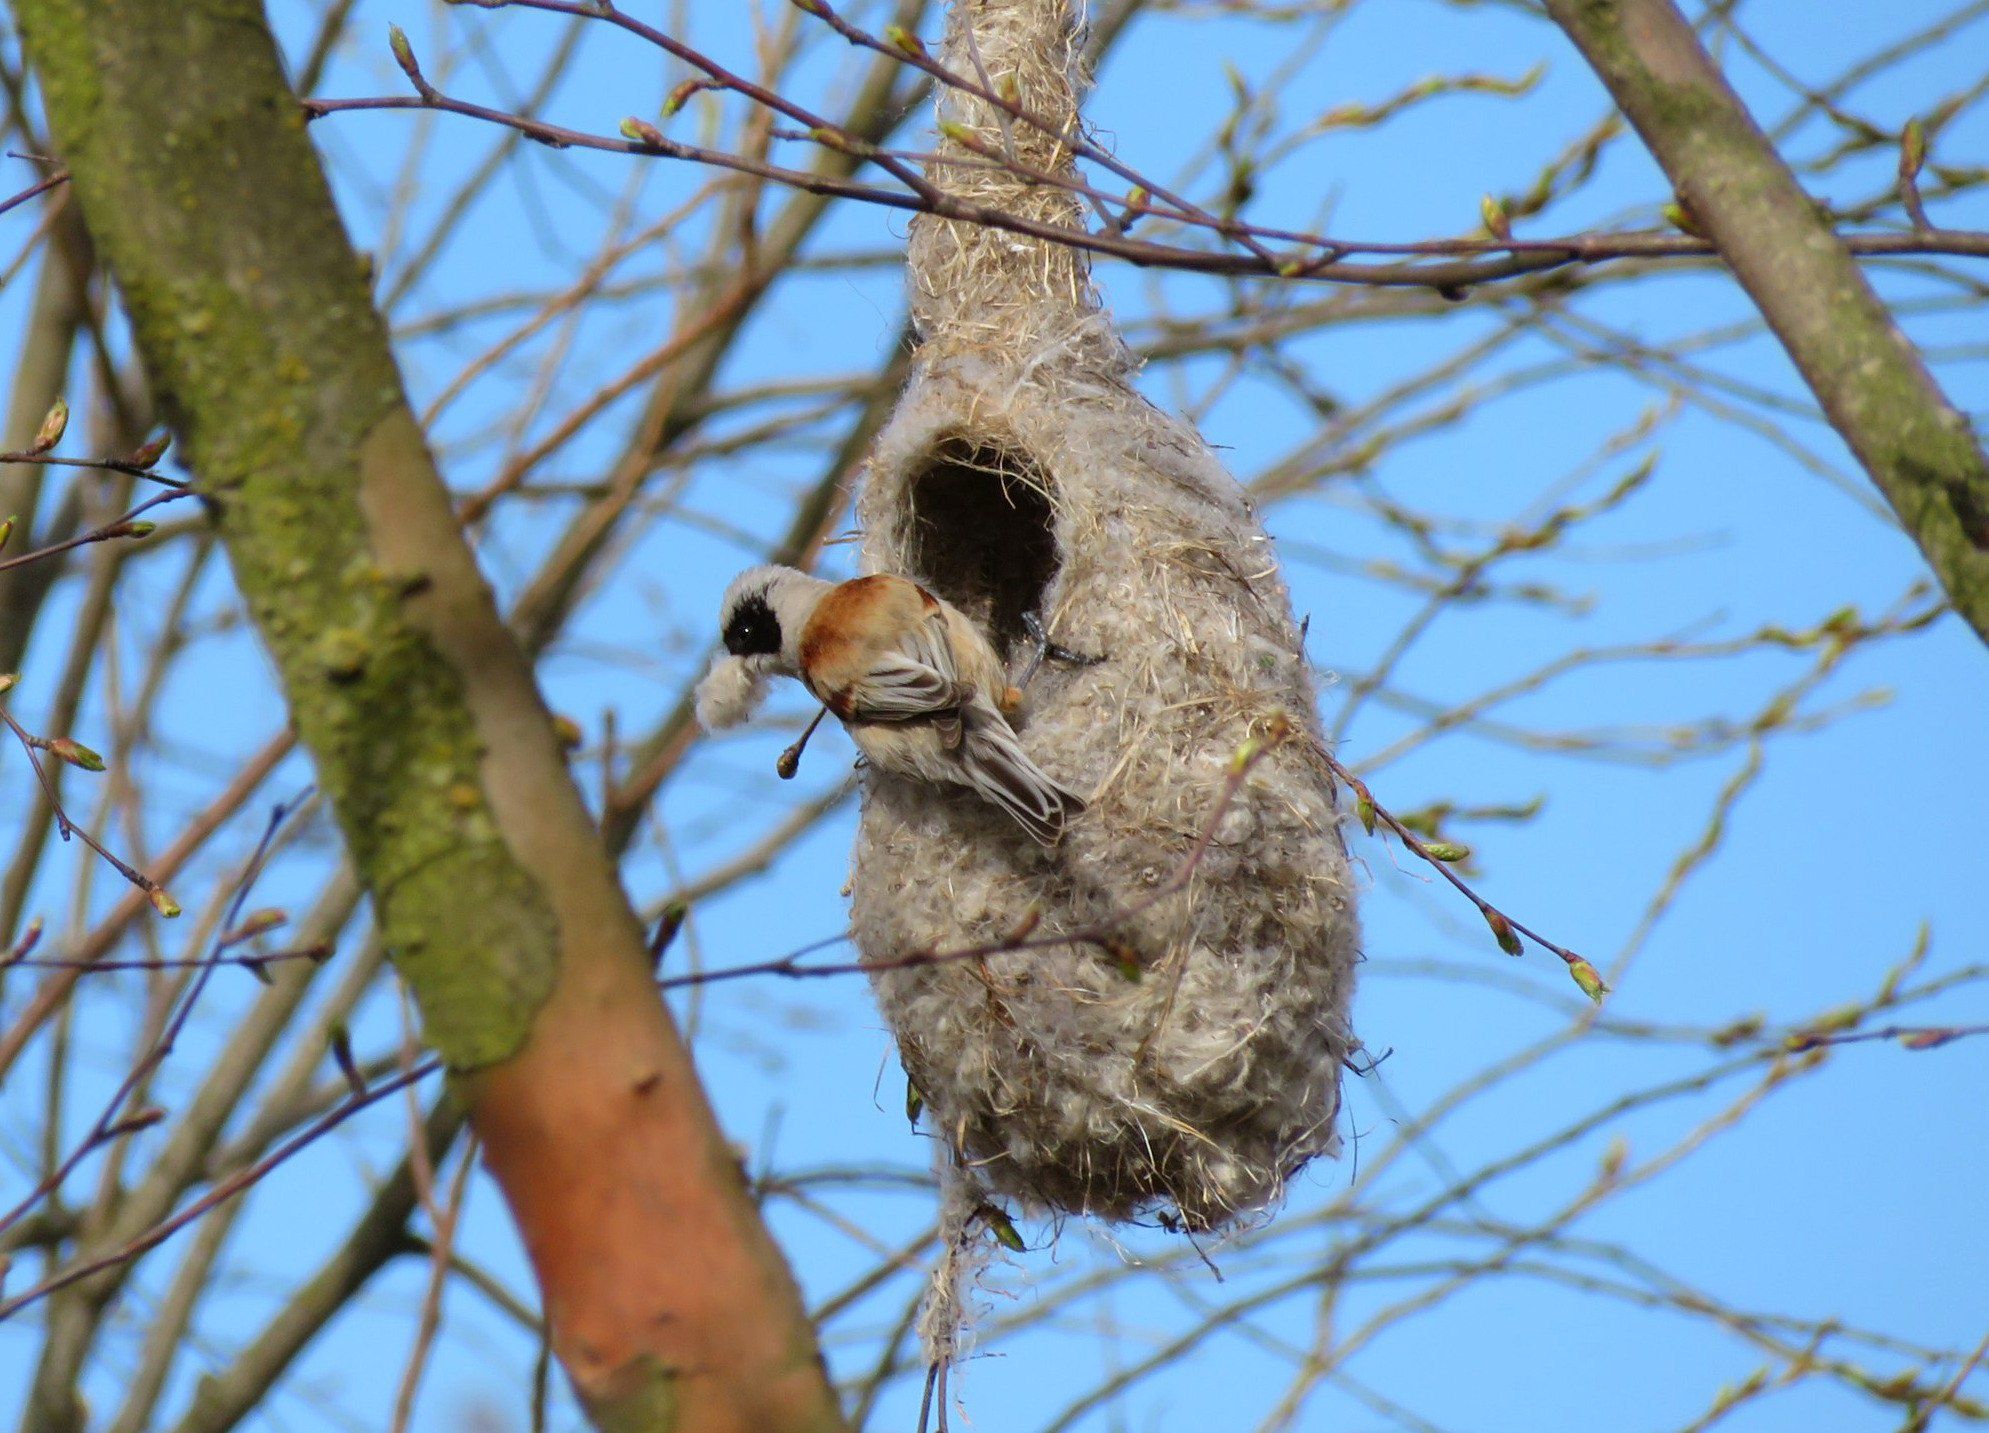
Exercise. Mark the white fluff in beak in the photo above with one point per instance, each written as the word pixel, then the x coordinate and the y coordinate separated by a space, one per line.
pixel 729 693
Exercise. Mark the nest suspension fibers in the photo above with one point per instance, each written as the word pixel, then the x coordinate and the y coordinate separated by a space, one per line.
pixel 1019 475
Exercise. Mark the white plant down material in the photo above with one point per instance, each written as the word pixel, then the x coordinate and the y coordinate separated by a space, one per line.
pixel 730 692
pixel 1022 472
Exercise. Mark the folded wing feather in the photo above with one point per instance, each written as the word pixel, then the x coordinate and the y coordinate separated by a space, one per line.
pixel 918 681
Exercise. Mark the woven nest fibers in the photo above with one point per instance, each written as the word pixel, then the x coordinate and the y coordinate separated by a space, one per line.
pixel 1183 1058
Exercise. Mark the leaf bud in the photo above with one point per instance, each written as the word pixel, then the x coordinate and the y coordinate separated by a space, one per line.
pixel 1588 978
pixel 898 37
pixel 52 428
pixel 641 131
pixel 1912 149
pixel 148 453
pixel 75 753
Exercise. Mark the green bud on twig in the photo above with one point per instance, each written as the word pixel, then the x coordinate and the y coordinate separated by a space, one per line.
pixel 135 1121
pixel 667 926
pixel 52 428
pixel 24 947
pixel 1253 747
pixel 75 753
pixel 162 901
pixel 146 454
pixel 1912 149
pixel 681 94
pixel 839 140
pixel 1497 223
pixel 30 938
pixel 641 131
pixel 914 1101
pixel 255 923
pixel 404 57
pixel 1137 208
pixel 6 531
pixel 1446 851
pixel 898 37
pixel 1003 1228
pixel 1679 215
pixel 1588 978
pixel 1502 931
pixel 1928 1039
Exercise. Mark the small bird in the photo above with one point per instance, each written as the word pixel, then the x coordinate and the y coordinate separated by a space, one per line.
pixel 920 690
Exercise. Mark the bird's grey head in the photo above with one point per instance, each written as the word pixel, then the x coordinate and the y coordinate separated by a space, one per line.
pixel 763 612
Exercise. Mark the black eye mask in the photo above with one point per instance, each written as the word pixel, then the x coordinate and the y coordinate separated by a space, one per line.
pixel 752 630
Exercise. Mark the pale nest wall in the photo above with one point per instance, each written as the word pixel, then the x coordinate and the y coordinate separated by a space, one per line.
pixel 1022 472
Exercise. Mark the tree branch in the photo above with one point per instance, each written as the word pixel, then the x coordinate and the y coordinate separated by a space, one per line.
pixel 1871 382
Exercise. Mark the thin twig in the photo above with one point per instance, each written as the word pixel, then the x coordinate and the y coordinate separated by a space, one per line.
pixel 1448 266
pixel 1504 928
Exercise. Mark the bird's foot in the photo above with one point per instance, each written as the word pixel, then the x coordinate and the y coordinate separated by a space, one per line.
pixel 1048 651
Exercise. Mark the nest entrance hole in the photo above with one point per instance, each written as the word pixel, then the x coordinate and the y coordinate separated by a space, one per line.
pixel 983 534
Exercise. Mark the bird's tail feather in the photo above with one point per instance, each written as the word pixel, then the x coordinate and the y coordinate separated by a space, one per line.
pixel 1002 772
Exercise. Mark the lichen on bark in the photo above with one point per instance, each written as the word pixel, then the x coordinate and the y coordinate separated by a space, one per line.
pixel 284 341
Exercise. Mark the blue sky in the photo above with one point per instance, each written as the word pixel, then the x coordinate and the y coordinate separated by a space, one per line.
pixel 1854 1193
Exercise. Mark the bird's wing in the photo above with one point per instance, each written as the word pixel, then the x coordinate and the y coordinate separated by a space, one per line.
pixel 1000 770
pixel 913 681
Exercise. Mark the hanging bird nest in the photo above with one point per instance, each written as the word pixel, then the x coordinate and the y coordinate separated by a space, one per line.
pixel 1182 1058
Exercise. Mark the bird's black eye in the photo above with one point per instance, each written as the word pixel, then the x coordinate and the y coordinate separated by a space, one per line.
pixel 752 630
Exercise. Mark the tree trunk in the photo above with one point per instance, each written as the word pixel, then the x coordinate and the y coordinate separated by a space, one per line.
pixel 670 1305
